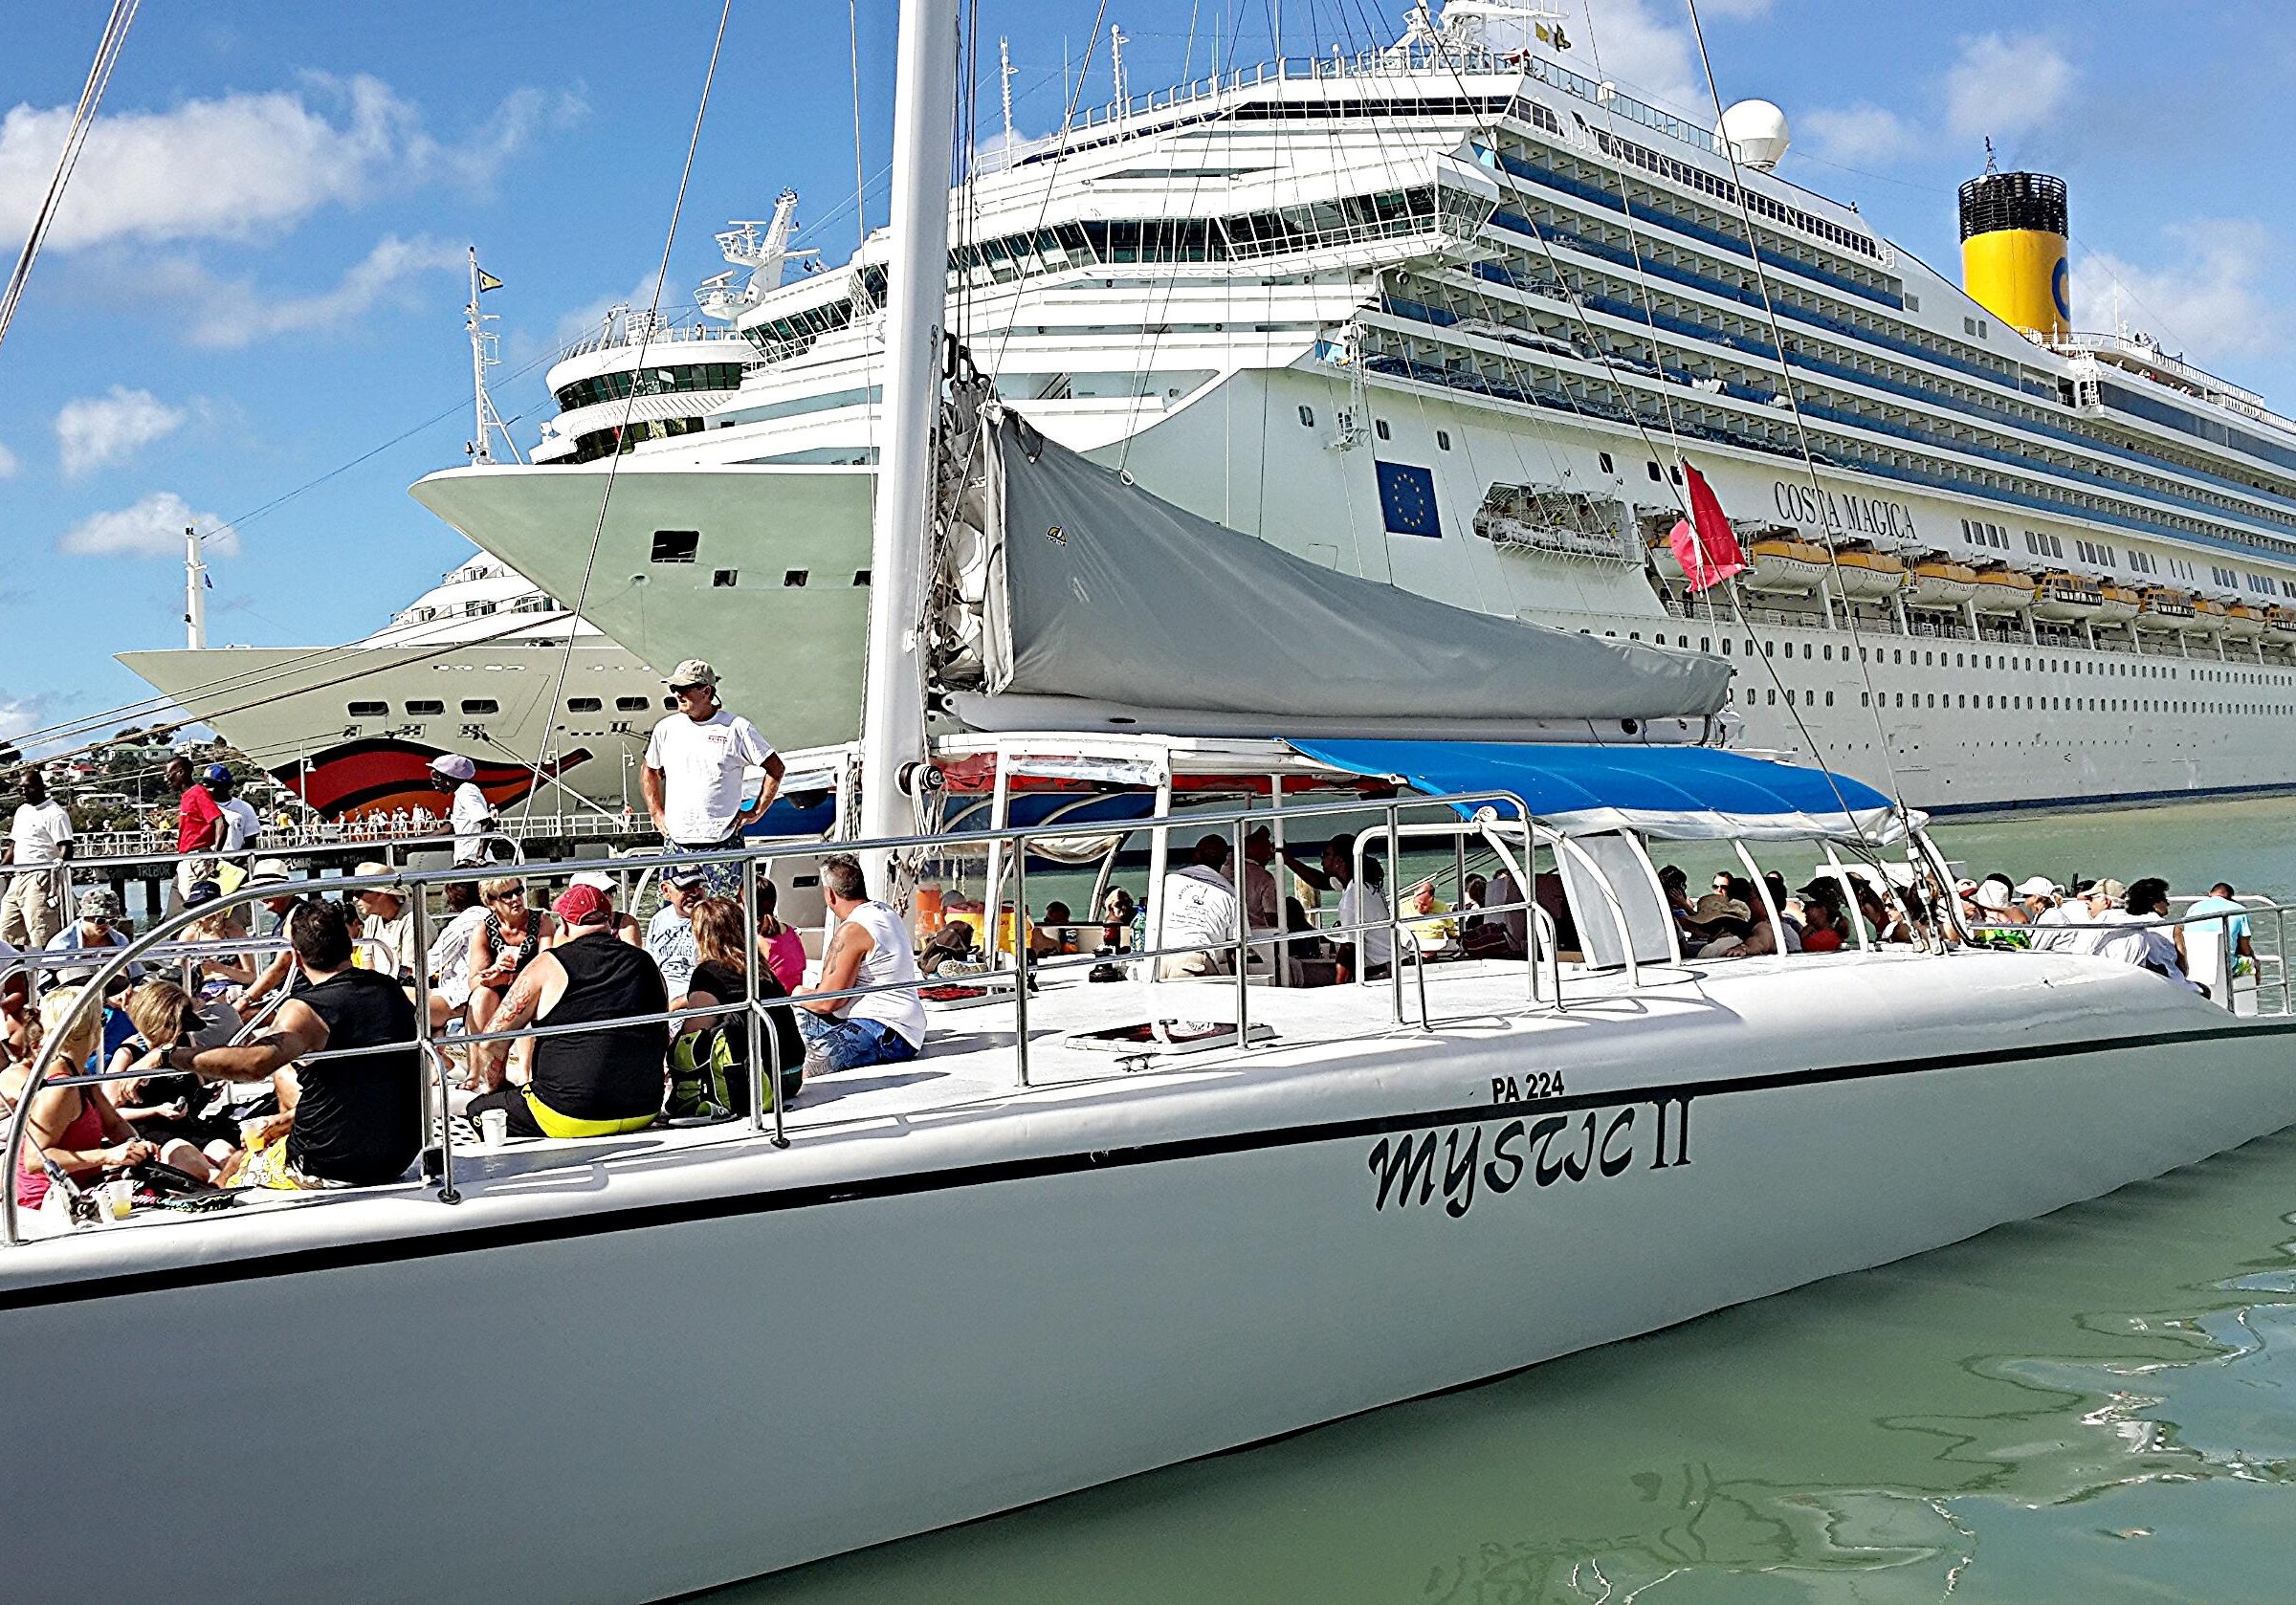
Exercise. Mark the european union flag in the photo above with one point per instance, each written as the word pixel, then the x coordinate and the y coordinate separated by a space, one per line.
pixel 1407 498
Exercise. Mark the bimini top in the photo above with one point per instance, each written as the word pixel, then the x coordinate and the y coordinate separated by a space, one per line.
pixel 1679 793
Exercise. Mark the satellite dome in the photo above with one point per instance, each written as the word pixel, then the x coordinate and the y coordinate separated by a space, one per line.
pixel 1756 132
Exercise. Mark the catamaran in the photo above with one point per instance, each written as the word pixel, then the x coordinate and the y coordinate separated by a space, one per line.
pixel 1099 1227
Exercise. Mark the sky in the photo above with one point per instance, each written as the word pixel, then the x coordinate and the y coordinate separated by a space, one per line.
pixel 247 313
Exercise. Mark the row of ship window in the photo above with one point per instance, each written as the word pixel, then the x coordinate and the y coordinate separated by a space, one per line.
pixel 1767 695
pixel 420 708
pixel 1917 657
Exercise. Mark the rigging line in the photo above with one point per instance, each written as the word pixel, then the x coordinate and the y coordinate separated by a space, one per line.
pixel 614 468
pixel 83 118
pixel 1801 436
pixel 1641 284
pixel 853 45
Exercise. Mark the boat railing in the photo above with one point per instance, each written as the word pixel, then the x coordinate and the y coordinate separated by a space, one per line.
pixel 165 941
pixel 2283 985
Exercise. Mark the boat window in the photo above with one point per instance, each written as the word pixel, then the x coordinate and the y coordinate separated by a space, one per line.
pixel 1442 440
pixel 582 705
pixel 676 545
pixel 480 705
pixel 1726 646
pixel 368 710
pixel 631 704
pixel 860 578
pixel 1769 649
pixel 795 579
pixel 421 708
pixel 726 579
pixel 1307 417
pixel 1607 469
pixel 1379 427
pixel 1652 465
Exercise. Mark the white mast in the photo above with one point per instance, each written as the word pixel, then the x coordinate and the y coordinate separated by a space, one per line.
pixel 893 708
pixel 195 593
pixel 1117 41
pixel 1004 71
pixel 485 422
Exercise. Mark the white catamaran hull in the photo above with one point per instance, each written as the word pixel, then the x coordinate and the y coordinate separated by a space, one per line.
pixel 697 1372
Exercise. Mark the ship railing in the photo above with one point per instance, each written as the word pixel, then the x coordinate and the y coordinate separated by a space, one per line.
pixel 1498 816
pixel 2270 977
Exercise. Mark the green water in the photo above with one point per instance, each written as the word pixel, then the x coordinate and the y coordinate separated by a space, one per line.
pixel 2099 1406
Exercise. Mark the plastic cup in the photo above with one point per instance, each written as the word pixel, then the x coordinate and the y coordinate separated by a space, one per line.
pixel 494 1127
pixel 117 1200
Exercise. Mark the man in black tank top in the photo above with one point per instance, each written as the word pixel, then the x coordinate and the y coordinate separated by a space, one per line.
pixel 587 1084
pixel 342 1122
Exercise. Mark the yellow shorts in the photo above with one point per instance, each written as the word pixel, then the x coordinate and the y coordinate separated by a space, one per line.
pixel 556 1125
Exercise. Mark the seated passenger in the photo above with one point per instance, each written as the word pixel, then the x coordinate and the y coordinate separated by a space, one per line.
pixel 501 948
pixel 1199 911
pixel 388 924
pixel 721 975
pixel 1364 902
pixel 869 946
pixel 585 1083
pixel 626 925
pixel 450 956
pixel 96 928
pixel 785 950
pixel 342 1122
pixel 1118 910
pixel 1053 936
pixel 74 1127
pixel 166 1107
pixel 1823 925
pixel 2131 936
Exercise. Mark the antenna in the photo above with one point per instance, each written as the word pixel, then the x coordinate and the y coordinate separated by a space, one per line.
pixel 1004 71
pixel 1991 165
pixel 763 255
pixel 195 593
pixel 1117 41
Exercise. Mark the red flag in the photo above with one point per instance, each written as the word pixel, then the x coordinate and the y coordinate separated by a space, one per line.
pixel 1710 553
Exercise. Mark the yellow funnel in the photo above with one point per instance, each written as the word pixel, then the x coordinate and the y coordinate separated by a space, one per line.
pixel 2013 261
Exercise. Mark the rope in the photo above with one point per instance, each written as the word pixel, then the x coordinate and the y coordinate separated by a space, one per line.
pixel 614 468
pixel 83 118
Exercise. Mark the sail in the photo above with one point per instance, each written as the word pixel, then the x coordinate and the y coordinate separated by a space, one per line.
pixel 1098 593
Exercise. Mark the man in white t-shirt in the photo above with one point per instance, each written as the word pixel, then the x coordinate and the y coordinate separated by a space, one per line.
pixel 39 841
pixel 470 815
pixel 697 763
pixel 867 947
pixel 1198 909
pixel 242 825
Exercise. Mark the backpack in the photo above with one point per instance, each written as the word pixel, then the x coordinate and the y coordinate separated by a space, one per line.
pixel 703 1083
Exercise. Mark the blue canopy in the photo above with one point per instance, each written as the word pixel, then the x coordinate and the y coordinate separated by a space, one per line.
pixel 1675 793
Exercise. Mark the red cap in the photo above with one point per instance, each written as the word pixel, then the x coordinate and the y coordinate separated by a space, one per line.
pixel 581 905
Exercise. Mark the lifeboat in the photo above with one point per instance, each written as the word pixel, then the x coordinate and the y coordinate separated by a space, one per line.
pixel 2165 611
pixel 2067 598
pixel 1864 575
pixel 2281 622
pixel 1785 566
pixel 2005 590
pixel 2208 617
pixel 2116 604
pixel 1941 584
pixel 2242 622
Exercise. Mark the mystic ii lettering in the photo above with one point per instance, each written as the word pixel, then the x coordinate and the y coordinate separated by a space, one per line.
pixel 1492 1159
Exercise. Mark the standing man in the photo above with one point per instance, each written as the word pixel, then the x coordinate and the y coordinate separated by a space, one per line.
pixel 470 815
pixel 696 762
pixel 200 826
pixel 870 947
pixel 39 843
pixel 243 824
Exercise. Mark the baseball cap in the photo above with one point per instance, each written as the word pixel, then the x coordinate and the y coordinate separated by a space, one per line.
pixel 100 902
pixel 579 904
pixel 693 671
pixel 201 891
pixel 454 767
pixel 215 774
pixel 597 880
pixel 2038 885
pixel 685 876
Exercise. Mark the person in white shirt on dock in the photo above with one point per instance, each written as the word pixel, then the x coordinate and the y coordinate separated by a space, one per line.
pixel 470 815
pixel 39 841
pixel 868 946
pixel 697 768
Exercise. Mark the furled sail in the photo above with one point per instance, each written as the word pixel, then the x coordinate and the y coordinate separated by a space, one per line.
pixel 1076 589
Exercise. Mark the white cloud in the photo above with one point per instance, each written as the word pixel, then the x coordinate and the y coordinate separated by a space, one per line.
pixel 248 164
pixel 94 431
pixel 153 528
pixel 2210 299
pixel 8 463
pixel 1641 50
pixel 1865 133
pixel 2003 87
pixel 586 320
pixel 230 313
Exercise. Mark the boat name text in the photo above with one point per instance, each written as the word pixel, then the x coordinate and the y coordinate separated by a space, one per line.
pixel 1848 513
pixel 1406 1168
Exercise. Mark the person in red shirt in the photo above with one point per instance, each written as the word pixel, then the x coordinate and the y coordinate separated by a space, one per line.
pixel 201 827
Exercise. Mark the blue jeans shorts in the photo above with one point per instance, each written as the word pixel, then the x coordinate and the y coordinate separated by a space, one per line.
pixel 848 1044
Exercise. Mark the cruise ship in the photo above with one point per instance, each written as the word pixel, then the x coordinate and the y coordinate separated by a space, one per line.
pixel 1456 315
pixel 471 665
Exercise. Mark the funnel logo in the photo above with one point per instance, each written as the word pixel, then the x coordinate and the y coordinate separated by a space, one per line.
pixel 2059 292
